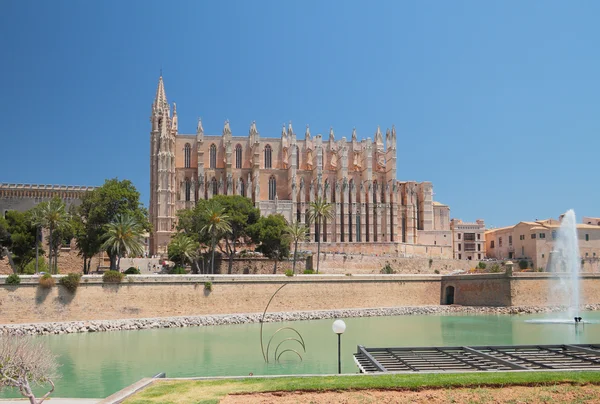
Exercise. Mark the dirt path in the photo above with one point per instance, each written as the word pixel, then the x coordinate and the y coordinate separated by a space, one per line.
pixel 560 393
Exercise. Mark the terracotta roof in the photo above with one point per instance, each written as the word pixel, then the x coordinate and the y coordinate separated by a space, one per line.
pixel 438 204
pixel 499 228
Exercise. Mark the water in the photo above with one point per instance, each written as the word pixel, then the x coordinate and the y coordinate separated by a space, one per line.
pixel 565 258
pixel 96 365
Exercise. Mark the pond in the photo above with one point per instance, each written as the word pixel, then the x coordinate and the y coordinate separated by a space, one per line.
pixel 96 365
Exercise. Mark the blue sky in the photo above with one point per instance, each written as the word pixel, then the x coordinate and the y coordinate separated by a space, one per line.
pixel 496 103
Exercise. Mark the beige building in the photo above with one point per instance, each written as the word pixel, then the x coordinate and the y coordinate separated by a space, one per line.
pixel 284 174
pixel 22 197
pixel 533 241
pixel 468 239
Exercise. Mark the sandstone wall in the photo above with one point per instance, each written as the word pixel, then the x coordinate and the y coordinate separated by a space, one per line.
pixel 163 296
pixel 545 289
pixel 372 264
pixel 478 290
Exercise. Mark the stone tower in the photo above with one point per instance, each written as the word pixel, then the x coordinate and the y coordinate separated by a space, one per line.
pixel 162 170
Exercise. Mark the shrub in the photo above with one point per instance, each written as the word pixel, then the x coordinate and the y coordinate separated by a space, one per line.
pixel 30 267
pixel 523 264
pixel 47 281
pixel 540 269
pixel 177 271
pixel 132 271
pixel 309 271
pixel 112 277
pixel 70 282
pixel 495 268
pixel 348 274
pixel 208 286
pixel 481 265
pixel 387 269
pixel 437 271
pixel 13 279
pixel 289 273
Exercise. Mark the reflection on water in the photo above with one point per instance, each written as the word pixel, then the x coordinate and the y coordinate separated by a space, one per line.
pixel 98 364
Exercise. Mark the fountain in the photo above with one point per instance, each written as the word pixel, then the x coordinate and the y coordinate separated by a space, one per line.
pixel 564 261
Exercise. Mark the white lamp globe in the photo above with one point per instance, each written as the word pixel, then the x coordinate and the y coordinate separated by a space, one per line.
pixel 339 326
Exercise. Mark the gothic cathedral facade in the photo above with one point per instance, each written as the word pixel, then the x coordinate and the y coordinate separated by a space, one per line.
pixel 374 212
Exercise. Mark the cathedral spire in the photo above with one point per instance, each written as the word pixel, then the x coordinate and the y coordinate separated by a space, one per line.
pixel 226 128
pixel 307 133
pixel 160 101
pixel 354 134
pixel 199 128
pixel 331 135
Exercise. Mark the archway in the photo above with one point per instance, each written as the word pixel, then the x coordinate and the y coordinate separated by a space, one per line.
pixel 449 294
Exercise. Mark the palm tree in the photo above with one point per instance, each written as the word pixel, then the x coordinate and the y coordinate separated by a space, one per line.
pixel 318 211
pixel 297 232
pixel 51 215
pixel 123 236
pixel 185 249
pixel 217 223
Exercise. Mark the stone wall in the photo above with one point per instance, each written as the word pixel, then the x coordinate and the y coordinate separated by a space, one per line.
pixel 382 248
pixel 164 296
pixel 522 289
pixel 477 290
pixel 372 264
pixel 543 289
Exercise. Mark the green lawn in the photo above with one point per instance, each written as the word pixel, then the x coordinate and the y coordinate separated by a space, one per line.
pixel 211 391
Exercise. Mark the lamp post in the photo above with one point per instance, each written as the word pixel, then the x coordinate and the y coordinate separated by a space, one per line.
pixel 339 327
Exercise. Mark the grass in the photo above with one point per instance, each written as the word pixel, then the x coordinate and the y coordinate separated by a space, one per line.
pixel 212 391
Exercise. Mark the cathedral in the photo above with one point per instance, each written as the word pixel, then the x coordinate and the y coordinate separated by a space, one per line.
pixel 374 212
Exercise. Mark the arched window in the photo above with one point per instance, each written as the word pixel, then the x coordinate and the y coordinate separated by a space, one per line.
pixel 238 156
pixel 242 188
pixel 215 186
pixel 188 189
pixel 272 188
pixel 297 158
pixel 268 156
pixel 213 156
pixel 187 153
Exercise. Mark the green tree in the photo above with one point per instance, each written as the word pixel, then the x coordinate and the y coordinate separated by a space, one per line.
pixel 270 233
pixel 99 208
pixel 183 249
pixel 4 237
pixel 123 236
pixel 318 211
pixel 21 241
pixel 52 215
pixel 297 232
pixel 241 214
pixel 216 226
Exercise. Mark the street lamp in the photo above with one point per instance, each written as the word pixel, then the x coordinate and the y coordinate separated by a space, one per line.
pixel 339 327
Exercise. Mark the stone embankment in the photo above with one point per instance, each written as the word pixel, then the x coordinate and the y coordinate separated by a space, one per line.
pixel 229 319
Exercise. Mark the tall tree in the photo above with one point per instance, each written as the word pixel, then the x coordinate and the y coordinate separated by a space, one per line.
pixel 99 208
pixel 183 249
pixel 297 232
pixel 318 211
pixel 19 239
pixel 241 214
pixel 123 237
pixel 269 233
pixel 216 226
pixel 51 215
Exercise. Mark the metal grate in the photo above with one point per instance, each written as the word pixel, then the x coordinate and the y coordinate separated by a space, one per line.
pixel 477 358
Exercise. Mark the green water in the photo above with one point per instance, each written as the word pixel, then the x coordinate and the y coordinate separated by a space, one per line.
pixel 98 364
